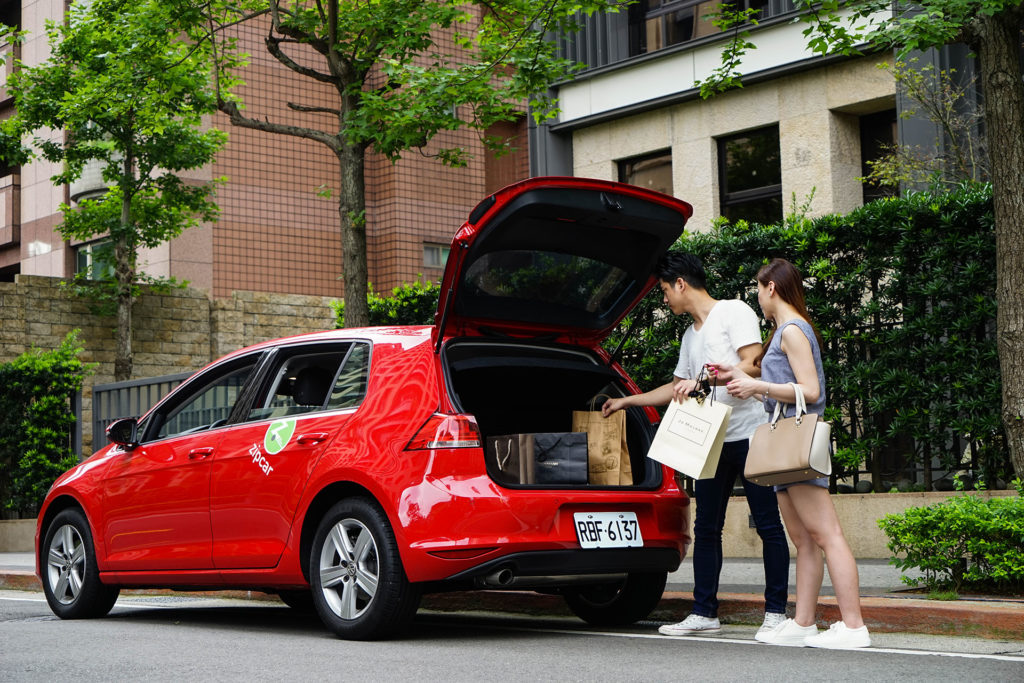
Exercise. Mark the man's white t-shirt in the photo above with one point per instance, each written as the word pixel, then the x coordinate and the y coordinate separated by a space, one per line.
pixel 730 325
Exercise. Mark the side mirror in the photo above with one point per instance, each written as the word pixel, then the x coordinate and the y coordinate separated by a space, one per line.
pixel 124 432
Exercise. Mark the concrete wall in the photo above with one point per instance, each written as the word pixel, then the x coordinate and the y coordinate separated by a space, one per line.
pixel 858 514
pixel 175 332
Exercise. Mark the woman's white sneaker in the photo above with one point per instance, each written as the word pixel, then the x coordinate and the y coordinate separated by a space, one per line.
pixel 840 637
pixel 788 633
pixel 693 625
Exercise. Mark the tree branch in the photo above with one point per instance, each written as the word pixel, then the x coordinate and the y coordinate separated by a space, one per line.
pixel 238 119
pixel 274 47
pixel 316 110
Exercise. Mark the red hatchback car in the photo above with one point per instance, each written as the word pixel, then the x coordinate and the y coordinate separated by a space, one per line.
pixel 350 469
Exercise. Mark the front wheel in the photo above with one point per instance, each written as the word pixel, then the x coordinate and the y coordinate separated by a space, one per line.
pixel 619 603
pixel 359 586
pixel 71 578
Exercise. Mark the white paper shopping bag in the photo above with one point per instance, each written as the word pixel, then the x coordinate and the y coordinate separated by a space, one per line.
pixel 690 437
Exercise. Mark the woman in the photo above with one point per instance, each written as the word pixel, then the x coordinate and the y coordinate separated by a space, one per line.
pixel 793 354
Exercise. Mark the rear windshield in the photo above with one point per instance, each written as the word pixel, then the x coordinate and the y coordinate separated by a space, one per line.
pixel 548 280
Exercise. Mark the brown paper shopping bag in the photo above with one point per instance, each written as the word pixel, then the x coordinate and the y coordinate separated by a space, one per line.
pixel 608 455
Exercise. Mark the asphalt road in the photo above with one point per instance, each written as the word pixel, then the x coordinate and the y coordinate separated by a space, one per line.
pixel 172 638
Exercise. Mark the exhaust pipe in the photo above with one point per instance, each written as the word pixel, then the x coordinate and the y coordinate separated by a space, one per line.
pixel 500 578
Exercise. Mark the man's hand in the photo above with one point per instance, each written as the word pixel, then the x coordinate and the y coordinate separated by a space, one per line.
pixel 612 405
pixel 681 390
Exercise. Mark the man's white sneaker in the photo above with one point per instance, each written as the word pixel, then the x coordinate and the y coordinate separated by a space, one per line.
pixel 788 633
pixel 840 637
pixel 772 620
pixel 693 625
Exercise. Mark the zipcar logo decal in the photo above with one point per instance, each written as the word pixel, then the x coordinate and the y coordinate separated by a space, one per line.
pixel 259 460
pixel 278 434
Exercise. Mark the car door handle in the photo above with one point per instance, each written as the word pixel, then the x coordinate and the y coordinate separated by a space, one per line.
pixel 200 453
pixel 311 439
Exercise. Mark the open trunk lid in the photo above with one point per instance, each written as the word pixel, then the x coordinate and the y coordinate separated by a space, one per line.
pixel 563 258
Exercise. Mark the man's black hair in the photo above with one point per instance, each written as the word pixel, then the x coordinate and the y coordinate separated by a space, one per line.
pixel 677 264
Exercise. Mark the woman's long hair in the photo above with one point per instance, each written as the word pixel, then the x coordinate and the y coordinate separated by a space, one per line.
pixel 789 286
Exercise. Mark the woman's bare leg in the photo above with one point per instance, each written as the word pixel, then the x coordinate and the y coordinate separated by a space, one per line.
pixel 813 507
pixel 810 568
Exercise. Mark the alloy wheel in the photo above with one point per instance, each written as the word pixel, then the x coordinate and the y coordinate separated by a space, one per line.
pixel 65 564
pixel 349 568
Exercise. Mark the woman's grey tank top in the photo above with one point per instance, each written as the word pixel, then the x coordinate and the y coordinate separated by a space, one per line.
pixel 775 368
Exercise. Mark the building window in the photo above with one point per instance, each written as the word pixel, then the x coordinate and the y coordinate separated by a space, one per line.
pixel 877 139
pixel 435 255
pixel 653 171
pixel 657 24
pixel 750 176
pixel 95 260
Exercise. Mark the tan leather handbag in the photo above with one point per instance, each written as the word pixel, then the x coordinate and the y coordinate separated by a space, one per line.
pixel 791 449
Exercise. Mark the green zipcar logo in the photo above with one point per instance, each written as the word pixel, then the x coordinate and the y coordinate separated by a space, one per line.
pixel 278 434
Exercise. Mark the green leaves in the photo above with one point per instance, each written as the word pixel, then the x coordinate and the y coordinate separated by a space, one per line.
pixel 129 90
pixel 36 422
pixel 410 304
pixel 962 541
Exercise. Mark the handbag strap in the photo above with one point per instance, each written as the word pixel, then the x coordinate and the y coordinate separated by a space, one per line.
pixel 593 401
pixel 801 406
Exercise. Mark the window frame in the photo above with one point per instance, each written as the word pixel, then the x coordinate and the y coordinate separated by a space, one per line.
pixel 735 198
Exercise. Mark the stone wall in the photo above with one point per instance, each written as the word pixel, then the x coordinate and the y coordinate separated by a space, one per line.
pixel 175 332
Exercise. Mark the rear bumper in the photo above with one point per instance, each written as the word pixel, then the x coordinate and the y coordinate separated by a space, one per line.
pixel 564 567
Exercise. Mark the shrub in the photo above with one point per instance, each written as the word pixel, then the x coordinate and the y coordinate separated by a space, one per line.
pixel 903 292
pixel 963 540
pixel 36 422
pixel 409 304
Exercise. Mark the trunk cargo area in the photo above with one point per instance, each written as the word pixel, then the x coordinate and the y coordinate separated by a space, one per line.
pixel 531 388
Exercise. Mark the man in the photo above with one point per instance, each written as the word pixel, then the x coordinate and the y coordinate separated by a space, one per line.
pixel 723 331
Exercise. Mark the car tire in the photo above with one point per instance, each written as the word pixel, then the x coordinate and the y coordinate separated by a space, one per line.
pixel 71 578
pixel 620 603
pixel 359 586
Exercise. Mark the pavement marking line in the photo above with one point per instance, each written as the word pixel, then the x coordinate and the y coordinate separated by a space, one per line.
pixel 739 641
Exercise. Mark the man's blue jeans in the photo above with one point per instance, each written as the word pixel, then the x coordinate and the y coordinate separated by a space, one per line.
pixel 712 500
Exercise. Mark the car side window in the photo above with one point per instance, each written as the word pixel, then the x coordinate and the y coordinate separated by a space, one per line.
pixel 302 382
pixel 208 406
pixel 350 384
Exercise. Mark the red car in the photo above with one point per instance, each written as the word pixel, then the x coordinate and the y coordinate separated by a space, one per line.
pixel 357 469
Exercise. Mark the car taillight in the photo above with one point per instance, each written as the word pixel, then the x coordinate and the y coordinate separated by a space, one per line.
pixel 446 431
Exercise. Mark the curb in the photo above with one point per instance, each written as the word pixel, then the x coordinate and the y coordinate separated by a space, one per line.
pixel 992 619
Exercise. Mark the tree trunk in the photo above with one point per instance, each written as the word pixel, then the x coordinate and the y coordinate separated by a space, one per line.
pixel 124 276
pixel 998 46
pixel 352 212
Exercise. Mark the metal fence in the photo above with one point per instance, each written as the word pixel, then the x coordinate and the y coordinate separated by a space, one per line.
pixel 127 399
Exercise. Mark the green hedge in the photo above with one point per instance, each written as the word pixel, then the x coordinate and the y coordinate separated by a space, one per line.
pixel 36 422
pixel 963 541
pixel 409 304
pixel 903 291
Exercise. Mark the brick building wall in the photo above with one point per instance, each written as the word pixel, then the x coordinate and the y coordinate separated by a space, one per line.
pixel 276 232
pixel 175 332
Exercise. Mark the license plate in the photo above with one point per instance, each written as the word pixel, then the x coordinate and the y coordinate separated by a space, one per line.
pixel 608 530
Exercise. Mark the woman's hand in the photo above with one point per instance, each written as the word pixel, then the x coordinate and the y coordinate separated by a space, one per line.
pixel 738 383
